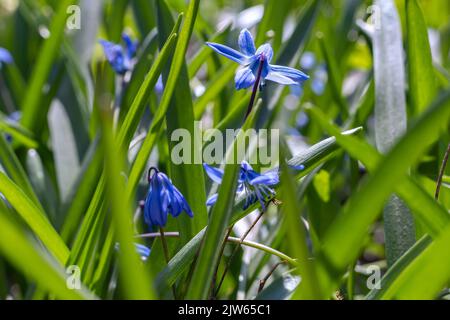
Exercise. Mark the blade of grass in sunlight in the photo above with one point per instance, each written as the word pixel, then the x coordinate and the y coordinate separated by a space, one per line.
pixel 309 287
pixel 33 116
pixel 399 266
pixel 14 168
pixel 310 158
pixel 154 130
pixel 180 115
pixel 425 208
pixel 426 275
pixel 339 243
pixel 220 217
pixel 34 217
pixel 28 258
pixel 422 79
pixel 391 119
pixel 135 279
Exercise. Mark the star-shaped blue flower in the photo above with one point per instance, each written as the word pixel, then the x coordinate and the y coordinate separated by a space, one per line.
pixel 255 186
pixel 250 58
pixel 120 57
pixel 163 198
pixel 5 57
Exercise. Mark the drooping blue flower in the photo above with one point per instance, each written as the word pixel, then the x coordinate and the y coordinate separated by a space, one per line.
pixel 120 57
pixel 253 185
pixel 163 198
pixel 5 57
pixel 251 58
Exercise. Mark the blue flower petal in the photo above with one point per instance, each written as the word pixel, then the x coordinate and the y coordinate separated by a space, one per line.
pixel 246 166
pixel 115 56
pixel 246 43
pixel 156 204
pixel 212 200
pixel 279 78
pixel 230 53
pixel 266 51
pixel 244 78
pixel 130 45
pixel 269 178
pixel 142 250
pixel 5 56
pixel 215 174
pixel 291 73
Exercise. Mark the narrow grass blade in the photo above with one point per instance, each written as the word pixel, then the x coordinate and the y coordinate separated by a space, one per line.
pixel 424 207
pixel 219 219
pixel 339 249
pixel 426 275
pixel 136 282
pixel 180 116
pixel 33 116
pixel 34 263
pixel 422 79
pixel 391 119
pixel 308 287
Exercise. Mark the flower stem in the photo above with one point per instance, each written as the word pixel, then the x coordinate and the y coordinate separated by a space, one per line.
pixel 246 243
pixel 222 249
pixel 235 251
pixel 441 173
pixel 263 281
pixel 255 88
pixel 166 255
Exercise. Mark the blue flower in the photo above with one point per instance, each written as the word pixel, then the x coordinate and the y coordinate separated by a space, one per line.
pixel 5 57
pixel 255 186
pixel 119 57
pixel 163 198
pixel 251 58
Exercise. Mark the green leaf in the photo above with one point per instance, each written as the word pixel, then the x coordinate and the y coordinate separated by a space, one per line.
pixel 34 217
pixel 155 128
pixel 310 158
pixel 294 46
pixel 135 283
pixel 275 15
pixel 64 148
pixel 335 76
pixel 422 79
pixel 391 119
pixel 137 108
pixel 308 287
pixel 424 207
pixel 34 262
pixel 219 219
pixel 340 245
pixel 14 168
pixel 220 81
pixel 33 116
pixel 92 174
pixel 397 268
pixel 426 275
pixel 180 115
